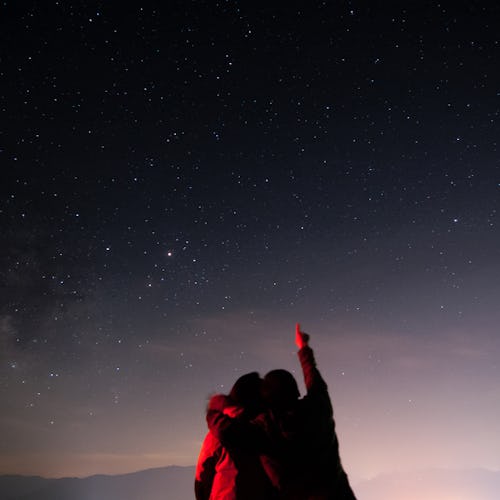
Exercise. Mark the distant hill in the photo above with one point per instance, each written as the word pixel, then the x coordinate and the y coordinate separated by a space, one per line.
pixel 176 483
pixel 166 483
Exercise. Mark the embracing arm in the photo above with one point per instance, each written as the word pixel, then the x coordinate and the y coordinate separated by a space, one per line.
pixel 234 432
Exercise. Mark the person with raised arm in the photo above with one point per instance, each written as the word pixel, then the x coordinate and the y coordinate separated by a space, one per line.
pixel 316 471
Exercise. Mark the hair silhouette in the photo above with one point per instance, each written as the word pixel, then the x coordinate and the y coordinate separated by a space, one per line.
pixel 246 392
pixel 280 390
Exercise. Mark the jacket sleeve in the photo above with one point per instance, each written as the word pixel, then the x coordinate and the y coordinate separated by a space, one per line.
pixel 205 467
pixel 317 390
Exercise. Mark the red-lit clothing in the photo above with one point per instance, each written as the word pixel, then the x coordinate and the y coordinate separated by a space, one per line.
pixel 228 473
pixel 210 453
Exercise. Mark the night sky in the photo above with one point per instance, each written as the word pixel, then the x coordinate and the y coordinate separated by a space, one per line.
pixel 182 183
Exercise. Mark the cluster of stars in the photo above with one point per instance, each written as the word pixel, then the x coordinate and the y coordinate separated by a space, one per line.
pixel 177 176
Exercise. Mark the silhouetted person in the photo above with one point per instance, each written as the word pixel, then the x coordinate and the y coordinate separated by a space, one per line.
pixel 231 472
pixel 308 464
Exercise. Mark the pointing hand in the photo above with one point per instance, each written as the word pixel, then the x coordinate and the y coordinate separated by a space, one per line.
pixel 301 338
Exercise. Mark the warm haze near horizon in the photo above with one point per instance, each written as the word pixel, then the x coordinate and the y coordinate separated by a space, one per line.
pixel 181 186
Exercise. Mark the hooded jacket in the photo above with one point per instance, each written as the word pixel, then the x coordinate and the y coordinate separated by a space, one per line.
pixel 230 473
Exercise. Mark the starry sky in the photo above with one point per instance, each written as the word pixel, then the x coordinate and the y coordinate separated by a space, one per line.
pixel 181 183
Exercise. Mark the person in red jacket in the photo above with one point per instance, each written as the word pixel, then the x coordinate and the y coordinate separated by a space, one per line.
pixel 228 472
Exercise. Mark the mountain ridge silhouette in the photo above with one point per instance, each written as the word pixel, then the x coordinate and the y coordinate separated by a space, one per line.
pixel 176 483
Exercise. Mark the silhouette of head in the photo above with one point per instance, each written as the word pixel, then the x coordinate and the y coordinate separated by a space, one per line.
pixel 246 392
pixel 280 390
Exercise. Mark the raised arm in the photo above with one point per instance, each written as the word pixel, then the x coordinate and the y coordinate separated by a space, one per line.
pixel 317 390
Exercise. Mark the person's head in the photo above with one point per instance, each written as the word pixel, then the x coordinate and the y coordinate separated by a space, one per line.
pixel 280 390
pixel 246 392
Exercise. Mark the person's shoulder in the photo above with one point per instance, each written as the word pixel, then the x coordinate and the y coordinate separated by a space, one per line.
pixel 210 445
pixel 307 404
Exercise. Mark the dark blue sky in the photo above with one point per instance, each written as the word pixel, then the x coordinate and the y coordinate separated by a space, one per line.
pixel 182 183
